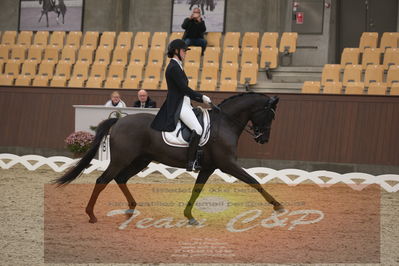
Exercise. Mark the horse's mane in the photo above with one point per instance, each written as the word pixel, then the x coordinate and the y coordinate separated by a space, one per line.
pixel 239 95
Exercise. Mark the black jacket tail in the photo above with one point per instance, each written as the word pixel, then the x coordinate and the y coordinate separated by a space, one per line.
pixel 101 131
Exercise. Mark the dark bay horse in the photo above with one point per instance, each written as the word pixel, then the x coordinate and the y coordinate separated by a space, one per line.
pixel 134 145
pixel 50 6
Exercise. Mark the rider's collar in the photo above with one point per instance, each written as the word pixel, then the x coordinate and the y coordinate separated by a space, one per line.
pixel 179 62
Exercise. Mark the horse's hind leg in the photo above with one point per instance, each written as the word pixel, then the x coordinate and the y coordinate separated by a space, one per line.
pixel 47 19
pixel 126 174
pixel 41 16
pixel 236 171
pixel 101 183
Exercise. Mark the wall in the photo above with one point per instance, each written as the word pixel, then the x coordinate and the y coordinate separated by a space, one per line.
pixel 9 10
pixel 318 128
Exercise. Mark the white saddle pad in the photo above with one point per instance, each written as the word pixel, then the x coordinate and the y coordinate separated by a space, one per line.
pixel 176 140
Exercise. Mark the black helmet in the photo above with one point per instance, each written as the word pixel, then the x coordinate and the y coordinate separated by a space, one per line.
pixel 176 44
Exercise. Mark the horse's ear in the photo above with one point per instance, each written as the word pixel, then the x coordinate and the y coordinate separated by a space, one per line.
pixel 273 101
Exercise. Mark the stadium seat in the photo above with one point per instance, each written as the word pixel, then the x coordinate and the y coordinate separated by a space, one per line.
pixel 371 56
pixel 211 55
pixel 25 38
pixel 228 85
pixel 134 75
pixel 152 75
pixel 331 73
pixel 9 37
pixel 57 38
pixel 12 68
pixel 107 39
pixel 28 70
pixel 354 88
pixel 208 85
pixel 116 70
pixel 394 89
pixel 192 70
pixel 269 58
pixel 150 84
pixel 193 55
pixel 99 70
pixel 103 55
pixel 192 83
pixel 46 68
pixel 209 71
pixel 288 42
pixel 141 39
pixel 94 82
pixel 113 83
pixel 76 82
pixel 91 39
pixel 159 40
pixel 389 40
pixel 120 55
pixel 250 39
pixel 85 54
pixel 374 73
pixel 175 35
pixel 228 77
pixel 231 39
pixel 40 81
pixel 311 87
pixel 368 40
pixel 249 56
pixel 41 38
pixel 73 39
pixel 23 80
pixel 352 73
pixel 138 54
pixel 249 74
pixel 35 52
pixel 332 88
pixel 51 53
pixel 6 80
pixel 393 75
pixel 269 40
pixel 18 52
pixel 213 39
pixel 377 88
pixel 350 56
pixel 4 52
pixel 63 69
pixel 124 40
pixel 391 57
pixel 156 56
pixel 80 71
pixel 164 85
pixel 230 55
pixel 58 81
pixel 68 54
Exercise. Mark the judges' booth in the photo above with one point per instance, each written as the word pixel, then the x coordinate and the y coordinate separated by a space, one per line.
pixel 87 117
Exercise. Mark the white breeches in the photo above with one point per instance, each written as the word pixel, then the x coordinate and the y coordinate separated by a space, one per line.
pixel 188 117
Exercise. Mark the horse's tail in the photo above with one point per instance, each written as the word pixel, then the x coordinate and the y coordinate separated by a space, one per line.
pixel 101 131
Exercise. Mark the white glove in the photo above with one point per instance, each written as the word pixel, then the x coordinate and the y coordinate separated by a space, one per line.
pixel 206 99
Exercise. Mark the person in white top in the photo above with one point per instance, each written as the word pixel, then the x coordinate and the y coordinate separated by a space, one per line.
pixel 115 100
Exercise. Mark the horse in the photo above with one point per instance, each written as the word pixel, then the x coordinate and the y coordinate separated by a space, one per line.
pixel 50 6
pixel 134 144
pixel 199 3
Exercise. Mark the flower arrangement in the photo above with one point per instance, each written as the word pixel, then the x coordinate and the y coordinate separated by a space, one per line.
pixel 79 142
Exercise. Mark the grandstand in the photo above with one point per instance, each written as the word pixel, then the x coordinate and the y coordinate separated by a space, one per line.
pixel 328 54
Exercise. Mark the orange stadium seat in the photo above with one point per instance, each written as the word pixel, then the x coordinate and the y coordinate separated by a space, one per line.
pixel 213 39
pixel 124 40
pixel 98 71
pixel 269 58
pixel 249 74
pixel 192 83
pixel 331 73
pixel 138 54
pixel 91 39
pixel 73 39
pixel 156 56
pixel 231 39
pixel 208 85
pixel 25 38
pixel 332 88
pixel 94 82
pixel 23 80
pixel 134 75
pixel 107 39
pixel 368 40
pixel 250 39
pixel 46 68
pixel 9 37
pixel 374 73
pixel 159 40
pixel 120 55
pixel 371 56
pixel 230 55
pixel 35 52
pixel 288 42
pixel 249 56
pixel 68 54
pixel 150 84
pixel 209 71
pixel 175 35
pixel 41 38
pixel 212 55
pixel 192 70
pixel 103 55
pixel 85 54
pixel 28 72
pixel 51 53
pixel 354 88
pixel 113 83
pixel 391 57
pixel 393 75
pixel 12 68
pixel 57 38
pixel 389 40
pixel 6 80
pixel 350 56
pixel 63 69
pixel 394 89
pixel 18 52
pixel 377 88
pixel 352 73
pixel 4 52
pixel 228 77
pixel 269 40
pixel 81 70
pixel 40 81
pixel 193 55
pixel 311 87
pixel 142 39
pixel 116 70
pixel 152 76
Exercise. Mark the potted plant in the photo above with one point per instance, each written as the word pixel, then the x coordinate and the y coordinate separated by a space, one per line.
pixel 79 142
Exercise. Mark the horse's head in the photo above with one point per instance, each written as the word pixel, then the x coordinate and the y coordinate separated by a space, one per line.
pixel 262 120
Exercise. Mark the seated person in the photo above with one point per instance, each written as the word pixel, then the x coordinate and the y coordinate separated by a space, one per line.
pixel 144 101
pixel 115 100
pixel 195 28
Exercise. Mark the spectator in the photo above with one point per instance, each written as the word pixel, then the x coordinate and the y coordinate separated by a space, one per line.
pixel 115 100
pixel 144 101
pixel 195 28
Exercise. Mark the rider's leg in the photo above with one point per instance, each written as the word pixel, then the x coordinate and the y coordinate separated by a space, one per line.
pixel 188 117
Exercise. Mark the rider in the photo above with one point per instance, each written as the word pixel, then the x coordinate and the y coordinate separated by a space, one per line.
pixel 177 104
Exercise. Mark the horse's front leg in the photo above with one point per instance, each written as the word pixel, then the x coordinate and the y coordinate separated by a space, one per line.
pixel 235 170
pixel 47 19
pixel 41 16
pixel 199 185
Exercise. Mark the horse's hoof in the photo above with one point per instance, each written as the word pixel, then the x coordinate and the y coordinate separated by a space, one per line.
pixel 192 221
pixel 279 208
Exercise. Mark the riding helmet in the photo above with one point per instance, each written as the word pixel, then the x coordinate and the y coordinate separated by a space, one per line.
pixel 176 44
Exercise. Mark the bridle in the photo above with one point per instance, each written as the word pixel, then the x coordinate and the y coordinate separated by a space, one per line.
pixel 255 131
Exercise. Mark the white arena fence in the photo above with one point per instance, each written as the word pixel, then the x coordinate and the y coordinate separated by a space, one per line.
pixel 357 181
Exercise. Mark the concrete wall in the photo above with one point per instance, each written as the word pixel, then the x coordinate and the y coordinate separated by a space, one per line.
pixel 9 14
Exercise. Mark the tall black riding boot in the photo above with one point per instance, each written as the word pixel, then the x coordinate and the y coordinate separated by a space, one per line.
pixel 192 152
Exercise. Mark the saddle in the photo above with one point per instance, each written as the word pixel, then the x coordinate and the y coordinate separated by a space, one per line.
pixel 180 137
